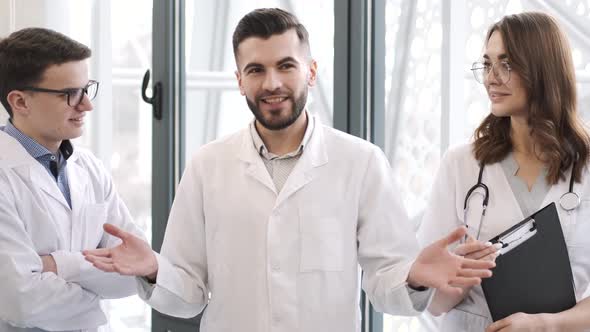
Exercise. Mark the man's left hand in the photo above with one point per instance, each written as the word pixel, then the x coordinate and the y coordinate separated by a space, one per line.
pixel 437 267
pixel 521 322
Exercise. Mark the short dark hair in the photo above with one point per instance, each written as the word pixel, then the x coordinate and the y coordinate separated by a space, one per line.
pixel 265 22
pixel 26 54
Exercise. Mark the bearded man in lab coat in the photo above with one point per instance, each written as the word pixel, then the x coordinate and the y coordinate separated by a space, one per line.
pixel 54 198
pixel 270 224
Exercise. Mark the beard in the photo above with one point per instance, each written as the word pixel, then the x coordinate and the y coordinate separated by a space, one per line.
pixel 281 122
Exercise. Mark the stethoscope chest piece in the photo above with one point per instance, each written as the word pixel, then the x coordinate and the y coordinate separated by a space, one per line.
pixel 569 201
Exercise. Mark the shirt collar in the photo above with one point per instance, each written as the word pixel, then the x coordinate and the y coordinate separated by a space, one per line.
pixel 263 151
pixel 35 149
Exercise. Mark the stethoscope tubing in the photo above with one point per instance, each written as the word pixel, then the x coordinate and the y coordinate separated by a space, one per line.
pixel 568 201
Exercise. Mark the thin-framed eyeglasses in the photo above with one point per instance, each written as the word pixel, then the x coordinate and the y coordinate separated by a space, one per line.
pixel 74 95
pixel 501 70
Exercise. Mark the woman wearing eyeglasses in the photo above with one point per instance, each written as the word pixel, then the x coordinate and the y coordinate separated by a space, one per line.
pixel 524 154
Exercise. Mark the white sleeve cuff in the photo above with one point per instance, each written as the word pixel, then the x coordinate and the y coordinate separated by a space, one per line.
pixel 166 278
pixel 144 288
pixel 69 264
pixel 420 299
pixel 169 295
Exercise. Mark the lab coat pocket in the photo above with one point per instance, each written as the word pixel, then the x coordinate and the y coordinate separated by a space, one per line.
pixel 95 216
pixel 321 245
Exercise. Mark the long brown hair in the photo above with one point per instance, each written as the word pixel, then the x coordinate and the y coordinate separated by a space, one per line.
pixel 540 53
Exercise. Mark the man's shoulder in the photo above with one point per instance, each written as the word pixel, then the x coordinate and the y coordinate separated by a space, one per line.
pixel 223 145
pixel 337 140
pixel 11 151
pixel 85 159
pixel 84 156
pixel 223 148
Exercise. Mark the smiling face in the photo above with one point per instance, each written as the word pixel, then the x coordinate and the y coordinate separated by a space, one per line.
pixel 274 75
pixel 508 98
pixel 47 117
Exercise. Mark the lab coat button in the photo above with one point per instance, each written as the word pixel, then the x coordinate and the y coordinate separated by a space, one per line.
pixel 276 267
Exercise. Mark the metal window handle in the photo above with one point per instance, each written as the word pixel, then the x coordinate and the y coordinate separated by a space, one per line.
pixel 156 99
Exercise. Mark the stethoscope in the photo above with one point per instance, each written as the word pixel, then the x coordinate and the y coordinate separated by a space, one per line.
pixel 568 201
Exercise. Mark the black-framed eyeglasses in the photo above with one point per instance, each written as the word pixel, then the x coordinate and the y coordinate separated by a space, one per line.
pixel 501 71
pixel 75 95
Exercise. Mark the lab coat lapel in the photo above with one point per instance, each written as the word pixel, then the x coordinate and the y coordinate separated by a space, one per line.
pixel 554 194
pixel 557 190
pixel 42 179
pixel 503 210
pixel 254 165
pixel 78 182
pixel 78 179
pixel 16 157
pixel 314 155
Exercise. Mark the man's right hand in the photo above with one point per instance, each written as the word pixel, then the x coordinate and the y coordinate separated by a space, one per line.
pixel 132 257
pixel 437 267
pixel 472 250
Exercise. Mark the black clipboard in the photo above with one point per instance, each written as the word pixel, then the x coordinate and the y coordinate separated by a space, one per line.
pixel 533 272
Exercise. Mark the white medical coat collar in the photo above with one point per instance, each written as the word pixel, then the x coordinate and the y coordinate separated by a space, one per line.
pixel 14 156
pixel 314 155
pixel 259 143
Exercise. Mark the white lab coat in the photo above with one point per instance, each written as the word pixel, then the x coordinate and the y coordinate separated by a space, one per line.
pixel 286 262
pixel 31 207
pixel 458 172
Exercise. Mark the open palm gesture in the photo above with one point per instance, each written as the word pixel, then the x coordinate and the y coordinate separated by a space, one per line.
pixel 437 267
pixel 132 257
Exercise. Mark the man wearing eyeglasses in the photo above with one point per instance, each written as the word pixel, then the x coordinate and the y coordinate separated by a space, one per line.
pixel 54 199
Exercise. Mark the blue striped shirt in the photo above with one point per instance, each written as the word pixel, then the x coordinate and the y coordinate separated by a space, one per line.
pixel 45 157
